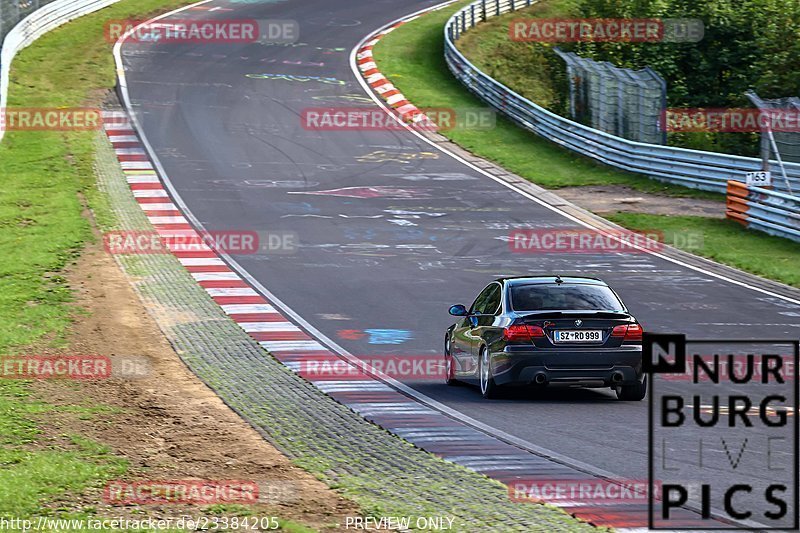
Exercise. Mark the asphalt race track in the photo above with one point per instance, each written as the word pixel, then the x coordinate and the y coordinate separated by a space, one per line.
pixel 391 230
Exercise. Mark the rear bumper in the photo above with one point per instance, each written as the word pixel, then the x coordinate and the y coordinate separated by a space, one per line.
pixel 592 367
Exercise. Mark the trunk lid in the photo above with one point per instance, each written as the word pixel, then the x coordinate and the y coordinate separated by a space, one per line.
pixel 571 329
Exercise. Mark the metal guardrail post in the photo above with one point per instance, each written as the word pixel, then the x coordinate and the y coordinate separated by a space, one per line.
pixel 768 138
pixel 662 114
pixel 779 159
pixel 735 204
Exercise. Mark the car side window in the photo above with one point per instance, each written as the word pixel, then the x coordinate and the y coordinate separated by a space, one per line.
pixel 493 303
pixel 480 301
pixel 487 301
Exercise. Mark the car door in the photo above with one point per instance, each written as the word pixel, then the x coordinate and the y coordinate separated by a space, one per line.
pixel 461 345
pixel 481 317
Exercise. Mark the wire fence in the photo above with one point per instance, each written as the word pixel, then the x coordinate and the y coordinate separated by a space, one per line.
pixel 786 143
pixel 624 102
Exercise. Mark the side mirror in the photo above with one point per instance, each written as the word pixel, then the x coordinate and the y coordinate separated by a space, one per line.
pixel 459 310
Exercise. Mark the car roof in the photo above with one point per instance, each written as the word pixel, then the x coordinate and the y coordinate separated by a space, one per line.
pixel 531 280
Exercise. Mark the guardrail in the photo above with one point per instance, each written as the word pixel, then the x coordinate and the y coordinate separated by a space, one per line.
pixel 34 26
pixel 769 211
pixel 691 168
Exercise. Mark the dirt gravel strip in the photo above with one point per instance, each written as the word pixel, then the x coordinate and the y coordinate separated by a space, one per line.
pixel 221 328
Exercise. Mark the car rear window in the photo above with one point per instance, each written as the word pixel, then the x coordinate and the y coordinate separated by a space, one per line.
pixel 564 297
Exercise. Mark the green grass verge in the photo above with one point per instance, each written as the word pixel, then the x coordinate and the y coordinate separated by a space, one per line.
pixel 530 69
pixel 48 176
pixel 48 180
pixel 412 58
pixel 31 474
pixel 724 241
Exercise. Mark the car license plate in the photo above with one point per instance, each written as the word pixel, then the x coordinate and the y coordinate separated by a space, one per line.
pixel 588 335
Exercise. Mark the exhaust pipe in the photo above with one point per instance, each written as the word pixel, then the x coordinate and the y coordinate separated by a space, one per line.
pixel 540 378
pixel 617 377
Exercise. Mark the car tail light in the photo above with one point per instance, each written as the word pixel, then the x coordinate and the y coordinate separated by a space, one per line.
pixel 521 332
pixel 634 333
pixel 630 332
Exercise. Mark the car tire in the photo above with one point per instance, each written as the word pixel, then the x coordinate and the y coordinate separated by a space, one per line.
pixel 449 365
pixel 489 388
pixel 632 393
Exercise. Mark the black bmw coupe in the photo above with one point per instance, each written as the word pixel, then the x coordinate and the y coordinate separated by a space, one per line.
pixel 546 331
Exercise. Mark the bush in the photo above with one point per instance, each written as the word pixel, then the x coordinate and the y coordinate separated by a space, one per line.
pixel 748 44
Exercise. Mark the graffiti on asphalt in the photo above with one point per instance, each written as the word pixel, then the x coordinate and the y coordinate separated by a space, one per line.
pixel 385 156
pixel 376 336
pixel 292 77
